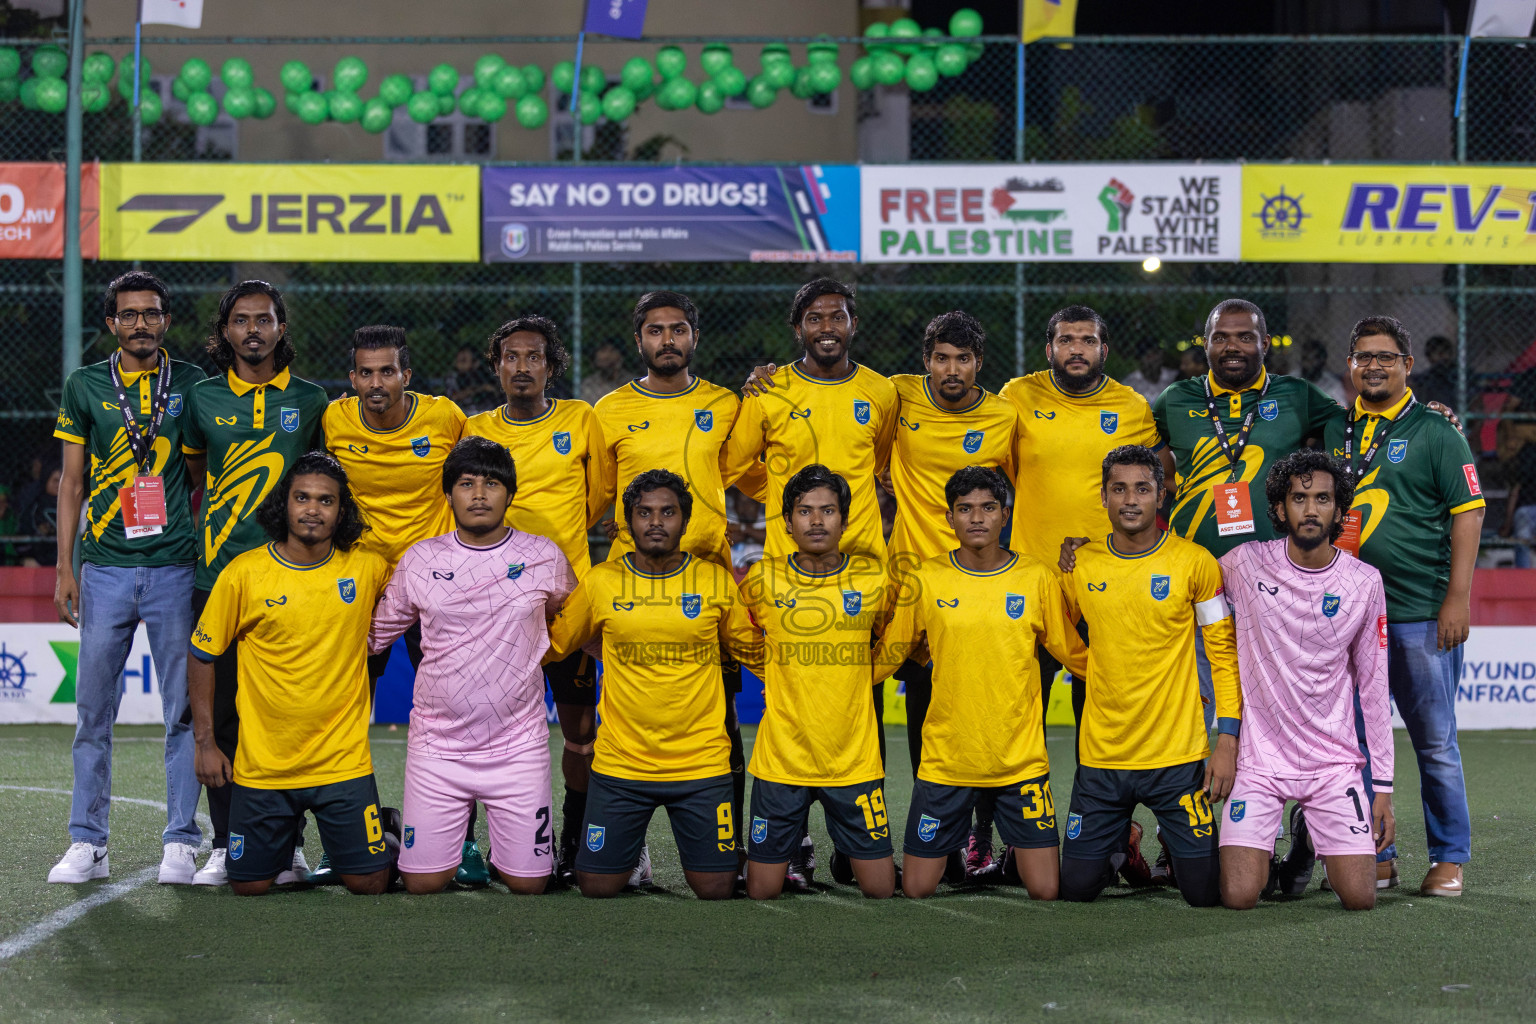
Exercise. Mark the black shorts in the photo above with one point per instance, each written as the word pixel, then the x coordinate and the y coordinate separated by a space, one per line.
pixel 619 813
pixel 855 817
pixel 1103 799
pixel 939 820
pixel 263 824
pixel 573 680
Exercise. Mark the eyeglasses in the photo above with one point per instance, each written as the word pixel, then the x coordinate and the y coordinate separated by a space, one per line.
pixel 1385 360
pixel 152 317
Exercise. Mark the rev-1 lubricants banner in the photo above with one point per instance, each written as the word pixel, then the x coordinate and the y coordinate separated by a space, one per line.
pixel 687 214
pixel 290 212
pixel 1386 214
pixel 989 213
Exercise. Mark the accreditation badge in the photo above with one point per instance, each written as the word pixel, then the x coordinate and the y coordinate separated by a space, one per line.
pixel 1349 538
pixel 1234 509
pixel 143 502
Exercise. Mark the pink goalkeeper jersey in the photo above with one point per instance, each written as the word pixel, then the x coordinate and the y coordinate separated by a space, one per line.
pixel 480 690
pixel 1306 639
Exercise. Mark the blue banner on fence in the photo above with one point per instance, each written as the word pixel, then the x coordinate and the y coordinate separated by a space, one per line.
pixel 623 18
pixel 683 214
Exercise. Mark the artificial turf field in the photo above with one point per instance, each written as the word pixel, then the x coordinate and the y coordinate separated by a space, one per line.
pixel 127 949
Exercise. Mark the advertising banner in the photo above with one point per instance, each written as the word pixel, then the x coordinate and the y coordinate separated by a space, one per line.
pixel 683 214
pixel 1009 213
pixel 37 675
pixel 1295 213
pixel 290 212
pixel 32 211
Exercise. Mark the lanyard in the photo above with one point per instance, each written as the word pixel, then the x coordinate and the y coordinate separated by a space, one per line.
pixel 1233 451
pixel 1381 435
pixel 142 441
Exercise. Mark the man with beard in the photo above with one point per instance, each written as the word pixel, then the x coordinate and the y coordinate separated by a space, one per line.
pixel 250 423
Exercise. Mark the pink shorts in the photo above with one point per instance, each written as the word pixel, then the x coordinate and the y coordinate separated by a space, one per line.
pixel 1338 814
pixel 516 794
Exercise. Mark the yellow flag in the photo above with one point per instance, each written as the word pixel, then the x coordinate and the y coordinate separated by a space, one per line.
pixel 1049 18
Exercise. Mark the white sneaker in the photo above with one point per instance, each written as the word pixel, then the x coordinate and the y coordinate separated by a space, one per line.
pixel 641 876
pixel 215 872
pixel 80 863
pixel 298 873
pixel 178 865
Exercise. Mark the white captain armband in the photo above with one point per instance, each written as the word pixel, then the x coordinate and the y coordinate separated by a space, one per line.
pixel 1212 611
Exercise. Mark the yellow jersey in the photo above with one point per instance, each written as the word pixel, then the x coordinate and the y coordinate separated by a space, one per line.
pixel 1063 439
pixel 397 475
pixel 684 433
pixel 931 444
pixel 819 726
pixel 559 472
pixel 662 709
pixel 302 636
pixel 1144 708
pixel 985 726
pixel 846 425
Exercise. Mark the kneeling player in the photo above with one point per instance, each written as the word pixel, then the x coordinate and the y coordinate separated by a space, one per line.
pixel 983 610
pixel 1311 634
pixel 482 594
pixel 819 737
pixel 299 610
pixel 663 616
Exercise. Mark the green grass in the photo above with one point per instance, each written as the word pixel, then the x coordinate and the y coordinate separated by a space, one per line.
pixel 185 954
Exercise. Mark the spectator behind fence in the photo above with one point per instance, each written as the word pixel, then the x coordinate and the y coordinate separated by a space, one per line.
pixel 1437 383
pixel 41 520
pixel 8 528
pixel 1192 363
pixel 1314 367
pixel 1151 376
pixel 607 373
pixel 1517 462
pixel 470 384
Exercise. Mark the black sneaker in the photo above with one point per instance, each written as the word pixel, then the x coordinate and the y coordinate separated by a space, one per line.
pixel 565 857
pixel 1294 871
pixel 842 868
pixel 802 867
pixel 1162 868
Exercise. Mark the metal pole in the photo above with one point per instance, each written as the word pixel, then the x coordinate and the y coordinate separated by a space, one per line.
pixel 138 78
pixel 73 288
pixel 1018 268
pixel 1461 338
pixel 576 329
pixel 576 105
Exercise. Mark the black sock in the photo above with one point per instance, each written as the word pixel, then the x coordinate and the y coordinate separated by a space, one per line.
pixel 573 811
pixel 474 818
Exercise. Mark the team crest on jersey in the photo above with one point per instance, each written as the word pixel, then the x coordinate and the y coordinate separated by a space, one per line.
pixel 1269 409
pixel 1074 825
pixel 704 419
pixel 514 570
pixel 1160 585
pixel 288 419
pixel 692 605
pixel 595 836
pixel 173 406
pixel 759 829
pixel 236 846
pixel 972 442
pixel 861 411
pixel 1397 450
pixel 421 446
pixel 1330 605
pixel 927 828
pixel 1108 421
pixel 853 602
pixel 348 589
pixel 562 440
pixel 408 840
pixel 1013 604
pixel 1236 809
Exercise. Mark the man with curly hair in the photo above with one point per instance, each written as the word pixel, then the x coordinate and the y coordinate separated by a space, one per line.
pixel 299 610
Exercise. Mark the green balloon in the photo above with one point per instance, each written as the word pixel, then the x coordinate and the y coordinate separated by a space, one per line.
pixel 533 78
pixel 904 29
pixel 237 74
pixel 888 67
pixel 98 67
pixel 180 89
pixel 395 91
pixel 716 58
pixel 491 107
pixel 532 111
pixel 921 74
pixel 951 60
pixel 775 51
pixel 296 77
pixel 876 30
pixel 644 92
pixel 933 34
pixel 637 74
pixel 862 73
pixel 266 104
pixel 10 62
pixel 780 73
pixel 593 79
pixel 445 105
pixel 240 102
pixel 761 93
pixel 50 62
pixel 311 107
pixel 821 50
pixel 202 108
pixel 508 83
pixel 732 81
pixel 974 51
pixel 197 74
pixel 563 76
pixel 825 78
pixel 965 22
pixel 671 61
pixel 150 108
pixel 711 99
pixel 469 102
pixel 618 103
pixel 291 102
pixel 28 92
pixel 422 107
pixel 351 75
pixel 345 107
pixel 10 89
pixel 486 68
pixel 377 115
pixel 94 97
pixel 677 94
pixel 443 80
pixel 801 87
pixel 589 108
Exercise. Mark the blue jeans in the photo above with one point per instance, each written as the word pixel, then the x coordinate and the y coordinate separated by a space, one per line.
pixel 112 603
pixel 1423 683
